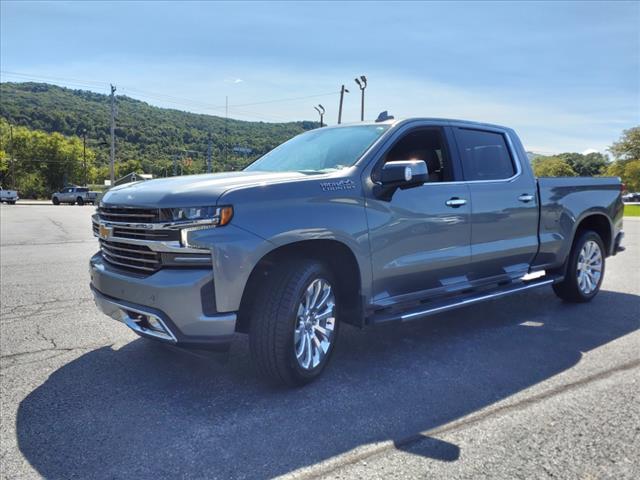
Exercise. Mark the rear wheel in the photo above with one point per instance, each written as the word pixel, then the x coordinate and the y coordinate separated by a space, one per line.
pixel 80 201
pixel 585 270
pixel 294 324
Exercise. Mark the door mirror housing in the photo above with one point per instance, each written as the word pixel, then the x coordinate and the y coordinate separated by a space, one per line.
pixel 407 173
pixel 401 174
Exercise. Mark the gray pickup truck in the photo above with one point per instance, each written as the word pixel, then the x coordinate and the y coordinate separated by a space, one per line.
pixel 355 224
pixel 73 195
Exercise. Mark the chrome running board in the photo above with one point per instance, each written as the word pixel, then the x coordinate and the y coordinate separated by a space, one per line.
pixel 443 305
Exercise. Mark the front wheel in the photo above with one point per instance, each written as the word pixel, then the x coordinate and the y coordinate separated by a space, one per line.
pixel 55 201
pixel 294 324
pixel 585 270
pixel 80 201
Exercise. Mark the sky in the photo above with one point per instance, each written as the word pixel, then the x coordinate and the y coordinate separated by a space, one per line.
pixel 565 75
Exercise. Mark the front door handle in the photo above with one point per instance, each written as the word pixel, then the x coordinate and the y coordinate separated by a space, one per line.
pixel 525 197
pixel 455 202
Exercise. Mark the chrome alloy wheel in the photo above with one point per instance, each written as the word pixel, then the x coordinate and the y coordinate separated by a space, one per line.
pixel 315 324
pixel 589 268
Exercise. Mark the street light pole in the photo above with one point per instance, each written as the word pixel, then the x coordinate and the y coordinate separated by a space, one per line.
pixel 362 83
pixel 342 92
pixel 320 110
pixel 84 154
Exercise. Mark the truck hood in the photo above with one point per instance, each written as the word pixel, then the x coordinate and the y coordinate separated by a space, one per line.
pixel 190 190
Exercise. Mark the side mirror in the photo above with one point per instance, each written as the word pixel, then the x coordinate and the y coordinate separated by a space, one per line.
pixel 405 173
pixel 401 174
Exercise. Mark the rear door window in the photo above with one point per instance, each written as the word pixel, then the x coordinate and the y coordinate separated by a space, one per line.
pixel 485 155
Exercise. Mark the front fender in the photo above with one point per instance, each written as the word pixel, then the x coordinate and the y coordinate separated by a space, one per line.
pixel 235 252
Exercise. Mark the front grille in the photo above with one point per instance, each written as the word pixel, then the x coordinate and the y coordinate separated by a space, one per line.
pixel 129 215
pixel 140 234
pixel 137 258
pixel 133 216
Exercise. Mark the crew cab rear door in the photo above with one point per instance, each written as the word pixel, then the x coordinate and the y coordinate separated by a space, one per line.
pixel 420 238
pixel 504 204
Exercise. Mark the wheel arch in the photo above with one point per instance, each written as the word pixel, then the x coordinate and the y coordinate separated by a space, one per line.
pixel 599 223
pixel 336 255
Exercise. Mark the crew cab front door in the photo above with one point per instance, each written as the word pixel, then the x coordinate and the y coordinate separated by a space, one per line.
pixel 66 194
pixel 420 238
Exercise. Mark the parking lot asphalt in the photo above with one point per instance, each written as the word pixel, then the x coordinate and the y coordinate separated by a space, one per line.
pixel 522 387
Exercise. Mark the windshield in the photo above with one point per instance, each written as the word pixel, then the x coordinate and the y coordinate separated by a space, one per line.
pixel 320 150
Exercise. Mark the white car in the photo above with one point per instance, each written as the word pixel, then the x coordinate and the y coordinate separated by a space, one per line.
pixel 631 197
pixel 9 196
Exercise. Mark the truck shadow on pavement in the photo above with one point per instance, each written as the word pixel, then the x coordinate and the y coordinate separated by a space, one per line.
pixel 147 411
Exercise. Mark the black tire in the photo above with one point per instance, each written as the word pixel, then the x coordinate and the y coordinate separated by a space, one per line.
pixel 11 202
pixel 80 201
pixel 55 201
pixel 274 319
pixel 569 289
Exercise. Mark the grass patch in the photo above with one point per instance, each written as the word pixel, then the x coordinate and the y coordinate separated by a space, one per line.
pixel 632 210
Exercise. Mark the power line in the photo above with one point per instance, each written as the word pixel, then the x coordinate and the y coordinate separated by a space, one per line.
pixel 161 96
pixel 290 99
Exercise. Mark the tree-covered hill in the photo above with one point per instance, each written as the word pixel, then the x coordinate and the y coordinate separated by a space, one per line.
pixel 147 137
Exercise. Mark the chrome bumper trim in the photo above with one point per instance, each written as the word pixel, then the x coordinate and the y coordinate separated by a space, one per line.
pixel 120 312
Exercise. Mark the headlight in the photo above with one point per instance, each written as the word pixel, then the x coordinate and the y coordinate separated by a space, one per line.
pixel 199 218
pixel 218 216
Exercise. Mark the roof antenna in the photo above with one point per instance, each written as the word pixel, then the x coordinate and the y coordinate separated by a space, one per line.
pixel 383 117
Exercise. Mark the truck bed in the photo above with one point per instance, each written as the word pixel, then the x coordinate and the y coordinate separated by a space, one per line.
pixel 564 201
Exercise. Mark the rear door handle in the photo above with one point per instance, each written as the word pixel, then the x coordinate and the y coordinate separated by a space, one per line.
pixel 525 197
pixel 455 202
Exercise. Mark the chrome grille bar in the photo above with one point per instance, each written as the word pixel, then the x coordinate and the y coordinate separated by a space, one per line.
pixel 122 249
pixel 131 256
pixel 127 265
pixel 129 214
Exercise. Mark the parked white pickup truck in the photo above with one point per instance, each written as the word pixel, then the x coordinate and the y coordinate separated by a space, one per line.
pixel 72 195
pixel 9 196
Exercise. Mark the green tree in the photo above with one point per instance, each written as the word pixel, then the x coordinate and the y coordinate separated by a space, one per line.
pixel 627 163
pixel 628 171
pixel 39 162
pixel 588 165
pixel 628 147
pixel 552 167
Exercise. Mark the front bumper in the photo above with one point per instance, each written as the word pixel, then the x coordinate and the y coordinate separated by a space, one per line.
pixel 172 305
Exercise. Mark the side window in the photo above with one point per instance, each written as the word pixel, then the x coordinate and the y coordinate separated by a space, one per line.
pixel 485 155
pixel 427 145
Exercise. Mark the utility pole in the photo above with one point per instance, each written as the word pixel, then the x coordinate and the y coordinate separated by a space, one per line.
pixel 320 110
pixel 362 83
pixel 112 153
pixel 209 155
pixel 12 159
pixel 342 92
pixel 84 154
pixel 226 128
pixel 175 165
